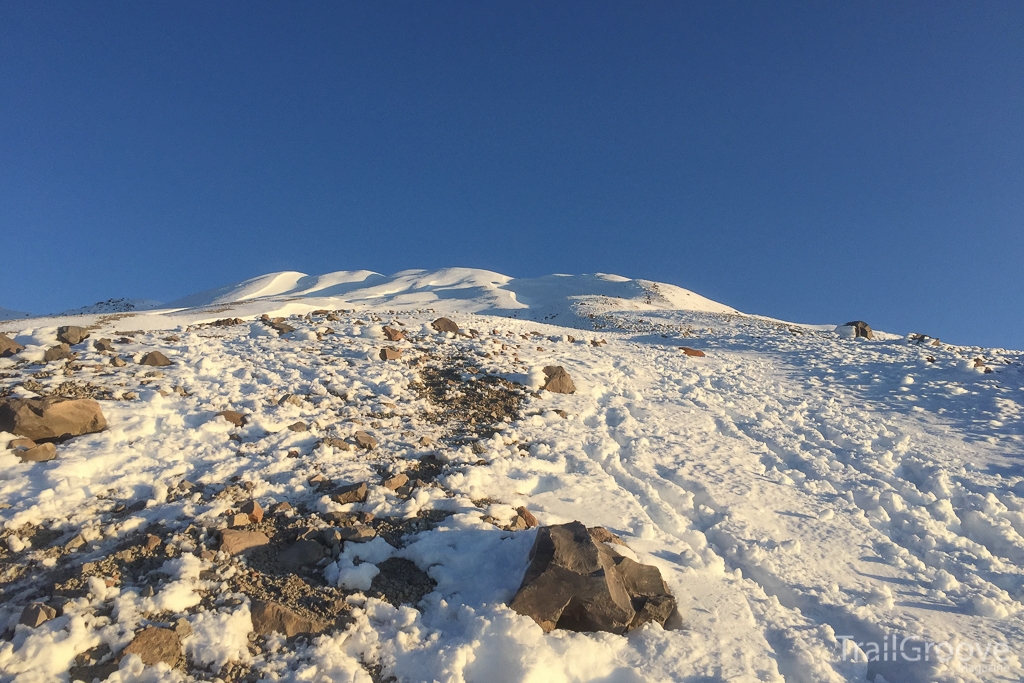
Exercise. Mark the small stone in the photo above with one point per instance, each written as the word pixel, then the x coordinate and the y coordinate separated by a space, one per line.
pixel 696 353
pixel 426 441
pixel 173 339
pixel 154 645
pixel 389 353
pixel 597 342
pixel 278 508
pixel 353 493
pixel 207 555
pixel 290 399
pixel 183 628
pixel 517 524
pixel 9 347
pixel 332 537
pixel 59 352
pixel 393 335
pixel 37 614
pixel 147 592
pixel 273 617
pixel 558 380
pixel 234 417
pixel 152 542
pixel 130 396
pixel 301 553
pixel 233 541
pixel 103 345
pixel 155 359
pixel 75 543
pixel 253 510
pixel 298 427
pixel 445 325
pixel 364 440
pixel 396 481
pixel 359 533
pixel 333 442
pixel 527 516
pixel 41 453
pixel 71 334
pixel 239 519
pixel 118 362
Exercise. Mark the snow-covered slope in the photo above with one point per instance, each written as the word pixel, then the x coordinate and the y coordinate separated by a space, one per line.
pixel 807 497
pixel 114 306
pixel 9 314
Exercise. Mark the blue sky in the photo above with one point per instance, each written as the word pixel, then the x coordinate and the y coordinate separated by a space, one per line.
pixel 817 162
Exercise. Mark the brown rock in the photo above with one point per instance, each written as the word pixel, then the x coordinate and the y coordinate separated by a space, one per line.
pixel 9 347
pixel 390 353
pixel 103 345
pixel 234 541
pixel 41 453
pixel 358 533
pixel 155 359
pixel 364 440
pixel 117 362
pixel 37 614
pixel 52 418
pixel 290 399
pixel 696 353
pixel 301 553
pixel 281 326
pixel 396 481
pixel 336 443
pixel 253 510
pixel 234 417
pixel 298 427
pixel 353 493
pixel 558 380
pixel 273 617
pixel 278 508
pixel 154 645
pixel 426 441
pixel 72 334
pixel 152 542
pixel 445 325
pixel 239 520
pixel 393 335
pixel 22 443
pixel 59 352
pixel 861 329
pixel 528 517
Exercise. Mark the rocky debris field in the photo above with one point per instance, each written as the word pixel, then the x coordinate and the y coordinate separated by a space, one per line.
pixel 368 495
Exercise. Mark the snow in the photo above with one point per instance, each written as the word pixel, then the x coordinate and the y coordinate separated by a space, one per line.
pixel 800 490
pixel 10 314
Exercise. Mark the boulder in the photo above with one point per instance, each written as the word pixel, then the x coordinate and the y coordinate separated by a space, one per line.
pixel 41 453
pixel 154 645
pixel 155 359
pixel 396 482
pixel 273 617
pixel 357 533
pixel 298 427
pixel 445 325
pixel 389 353
pixel 9 347
pixel 234 417
pixel 235 541
pixel 253 511
pixel 103 345
pixel 51 418
pixel 696 353
pixel 117 362
pixel 364 440
pixel 37 614
pixel 353 493
pixel 558 380
pixel 59 352
pixel 527 517
pixel 861 329
pixel 393 335
pixel 72 334
pixel 576 583
pixel 301 553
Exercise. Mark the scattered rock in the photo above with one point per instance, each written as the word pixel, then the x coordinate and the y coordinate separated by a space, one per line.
pixel 333 442
pixel 37 614
pixel 154 645
pixel 353 493
pixel 301 553
pixel 118 362
pixel 41 453
pixel 280 325
pixel 234 541
pixel 155 359
pixel 253 511
pixel 364 440
pixel 396 482
pixel 183 628
pixel 861 329
pixel 103 345
pixel 445 325
pixel 558 380
pixel 59 352
pixel 298 427
pixel 393 335
pixel 577 584
pixel 358 533
pixel 278 508
pixel 51 418
pixel 290 399
pixel 273 617
pixel 597 342
pixel 426 441
pixel 72 334
pixel 528 517
pixel 9 347
pixel 390 353
pixel 696 353
pixel 152 542
pixel 234 417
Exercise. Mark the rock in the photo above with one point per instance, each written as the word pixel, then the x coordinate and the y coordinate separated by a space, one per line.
pixel 333 442
pixel 155 359
pixel 558 380
pixel 59 352
pixel 75 543
pixel 22 443
pixel 117 362
pixel 239 520
pixel 183 628
pixel 602 535
pixel 51 418
pixel 696 353
pixel 290 399
pixel 152 542
pixel 426 441
pixel 298 427
pixel 72 334
pixel 301 553
pixel 278 508
pixel 528 517
pixel 393 335
pixel 364 440
pixel 147 592
pixel 354 493
pixel 575 583
pixel 445 325
pixel 396 481
pixel 103 345
pixel 253 511
pixel 41 453
pixel 861 329
pixel 518 524
pixel 358 533
pixel 390 353
pixel 37 614
pixel 154 645
pixel 280 325
pixel 234 541
pixel 9 347
pixel 597 342
pixel 273 617
pixel 234 417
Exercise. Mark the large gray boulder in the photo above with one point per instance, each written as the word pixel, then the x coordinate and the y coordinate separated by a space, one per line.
pixel 51 418
pixel 71 334
pixel 576 582
pixel 9 347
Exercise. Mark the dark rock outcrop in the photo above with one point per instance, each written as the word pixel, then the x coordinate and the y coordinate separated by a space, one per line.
pixel 445 325
pixel 861 329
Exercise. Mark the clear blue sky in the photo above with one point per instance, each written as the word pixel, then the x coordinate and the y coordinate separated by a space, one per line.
pixel 816 162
